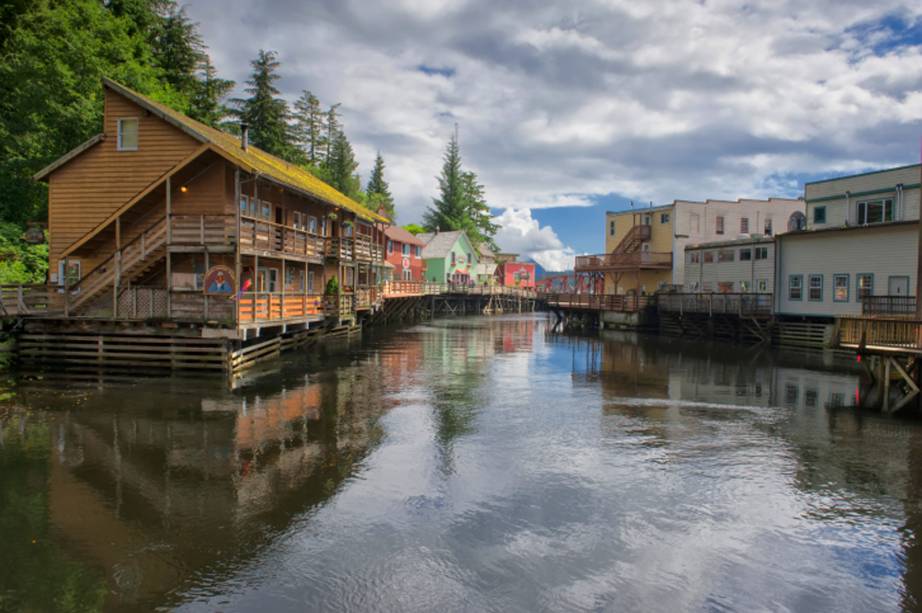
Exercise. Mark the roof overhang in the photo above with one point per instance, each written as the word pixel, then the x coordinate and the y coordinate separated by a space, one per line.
pixel 42 174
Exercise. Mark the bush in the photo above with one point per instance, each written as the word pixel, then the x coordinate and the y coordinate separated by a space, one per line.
pixel 20 262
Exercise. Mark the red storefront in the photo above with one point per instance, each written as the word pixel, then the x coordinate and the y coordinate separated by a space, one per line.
pixel 404 251
pixel 516 274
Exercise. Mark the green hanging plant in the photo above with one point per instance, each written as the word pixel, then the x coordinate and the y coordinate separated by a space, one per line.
pixel 332 288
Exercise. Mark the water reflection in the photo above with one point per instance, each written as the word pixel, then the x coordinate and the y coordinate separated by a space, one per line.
pixel 470 463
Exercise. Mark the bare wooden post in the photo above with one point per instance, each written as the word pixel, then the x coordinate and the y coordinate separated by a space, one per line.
pixel 205 289
pixel 117 282
pixel 169 241
pixel 66 289
pixel 282 280
pixel 237 264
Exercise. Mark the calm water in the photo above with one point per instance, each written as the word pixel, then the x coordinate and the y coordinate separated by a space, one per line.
pixel 471 464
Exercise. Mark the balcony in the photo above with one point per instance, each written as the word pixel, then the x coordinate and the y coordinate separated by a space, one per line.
pixel 277 307
pixel 889 306
pixel 741 305
pixel 622 303
pixel 354 248
pixel 268 238
pixel 624 262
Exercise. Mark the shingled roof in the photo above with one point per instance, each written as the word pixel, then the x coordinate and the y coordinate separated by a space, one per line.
pixel 439 244
pixel 396 233
pixel 252 159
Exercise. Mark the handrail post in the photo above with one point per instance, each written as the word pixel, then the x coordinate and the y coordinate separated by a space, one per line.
pixel 66 290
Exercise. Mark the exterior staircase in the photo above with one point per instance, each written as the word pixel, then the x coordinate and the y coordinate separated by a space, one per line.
pixel 133 260
pixel 632 241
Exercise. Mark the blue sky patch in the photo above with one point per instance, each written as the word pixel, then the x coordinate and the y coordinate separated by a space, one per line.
pixel 445 71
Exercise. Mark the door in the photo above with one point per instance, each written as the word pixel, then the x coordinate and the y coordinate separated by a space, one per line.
pixel 898 286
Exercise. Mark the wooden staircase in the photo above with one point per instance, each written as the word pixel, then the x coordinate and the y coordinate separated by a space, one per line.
pixel 632 241
pixel 133 260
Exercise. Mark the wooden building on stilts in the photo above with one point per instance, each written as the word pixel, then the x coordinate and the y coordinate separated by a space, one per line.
pixel 174 244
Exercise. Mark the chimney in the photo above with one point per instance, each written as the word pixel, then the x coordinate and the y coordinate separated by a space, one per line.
pixel 244 136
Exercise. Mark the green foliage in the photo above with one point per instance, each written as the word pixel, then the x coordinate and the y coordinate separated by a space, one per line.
pixel 178 51
pixel 309 128
pixel 414 229
pixel 265 111
pixel 341 167
pixel 461 204
pixel 332 288
pixel 206 103
pixel 378 191
pixel 20 262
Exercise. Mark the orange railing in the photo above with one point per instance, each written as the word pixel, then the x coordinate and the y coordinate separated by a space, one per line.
pixel 275 306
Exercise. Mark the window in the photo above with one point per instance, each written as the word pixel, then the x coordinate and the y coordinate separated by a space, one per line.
pixel 815 288
pixel 791 392
pixel 796 287
pixel 419 251
pixel 323 226
pixel 719 221
pixel 761 253
pixel 454 259
pixel 726 255
pixel 611 227
pixel 310 281
pixel 647 219
pixel 768 226
pixel 265 209
pixel 664 217
pixel 762 286
pixel 694 257
pixel 407 274
pixel 708 257
pixel 864 285
pixel 810 397
pixel 70 276
pixel 744 225
pixel 876 211
pixel 254 207
pixel 694 223
pixel 406 249
pixel 745 255
pixel 744 286
pixel 840 288
pixel 198 273
pixel 725 287
pixel 390 246
pixel 128 134
pixel 312 224
pixel 297 220
pixel 244 205
pixel 819 214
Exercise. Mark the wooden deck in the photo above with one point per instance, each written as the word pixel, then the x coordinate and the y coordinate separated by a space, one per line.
pixel 599 302
pixel 739 304
pixel 881 335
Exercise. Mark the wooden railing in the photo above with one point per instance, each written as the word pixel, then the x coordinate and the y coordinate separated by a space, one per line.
pixel 396 289
pixel 743 305
pixel 212 230
pixel 340 247
pixel 262 235
pixel 129 259
pixel 889 306
pixel 636 236
pixel 882 334
pixel 340 306
pixel 272 306
pixel 624 261
pixel 26 300
pixel 624 303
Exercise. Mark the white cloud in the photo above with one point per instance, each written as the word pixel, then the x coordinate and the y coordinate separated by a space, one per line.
pixel 651 101
pixel 521 233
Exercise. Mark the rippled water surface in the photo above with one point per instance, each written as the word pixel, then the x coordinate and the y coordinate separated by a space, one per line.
pixel 469 464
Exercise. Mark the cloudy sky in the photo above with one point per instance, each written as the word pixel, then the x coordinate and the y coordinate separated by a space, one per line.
pixel 568 109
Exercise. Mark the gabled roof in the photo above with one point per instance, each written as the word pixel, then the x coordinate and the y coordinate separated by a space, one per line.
pixel 439 246
pixel 47 170
pixel 252 159
pixel 396 233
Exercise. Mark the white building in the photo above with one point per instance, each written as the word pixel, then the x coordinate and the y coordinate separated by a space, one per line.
pixel 745 265
pixel 861 240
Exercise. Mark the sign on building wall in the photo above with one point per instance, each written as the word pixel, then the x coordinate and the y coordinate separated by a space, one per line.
pixel 219 280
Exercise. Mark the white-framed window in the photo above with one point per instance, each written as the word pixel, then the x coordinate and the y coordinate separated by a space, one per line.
pixel 719 224
pixel 312 224
pixel 796 287
pixel 864 285
pixel 244 204
pixel 265 209
pixel 310 281
pixel 875 211
pixel 708 257
pixel 390 246
pixel 73 273
pixel 419 251
pixel 840 284
pixel 726 255
pixel 407 274
pixel 815 288
pixel 761 253
pixel 768 226
pixel 744 286
pixel 762 286
pixel 128 133
pixel 406 249
pixel 297 220
pixel 745 255
pixel 744 225
pixel 694 257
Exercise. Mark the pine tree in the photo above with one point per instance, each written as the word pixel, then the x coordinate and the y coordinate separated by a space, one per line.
pixel 179 51
pixel 206 104
pixel 333 128
pixel 448 210
pixel 265 112
pixel 478 223
pixel 378 192
pixel 309 128
pixel 342 166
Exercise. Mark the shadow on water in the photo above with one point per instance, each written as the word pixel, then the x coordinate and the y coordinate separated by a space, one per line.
pixel 141 494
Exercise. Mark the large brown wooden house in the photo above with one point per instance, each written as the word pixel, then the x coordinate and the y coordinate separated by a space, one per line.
pixel 160 217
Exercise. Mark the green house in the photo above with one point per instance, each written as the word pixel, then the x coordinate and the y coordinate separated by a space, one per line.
pixel 450 257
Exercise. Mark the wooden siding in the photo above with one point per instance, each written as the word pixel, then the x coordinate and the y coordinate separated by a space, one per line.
pixel 89 188
pixel 883 251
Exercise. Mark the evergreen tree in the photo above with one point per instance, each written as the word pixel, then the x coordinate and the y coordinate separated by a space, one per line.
pixel 342 166
pixel 477 223
pixel 448 210
pixel 309 128
pixel 334 128
pixel 179 51
pixel 378 191
pixel 206 104
pixel 265 111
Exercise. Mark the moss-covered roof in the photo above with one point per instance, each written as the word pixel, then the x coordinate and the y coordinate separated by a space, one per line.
pixel 253 159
